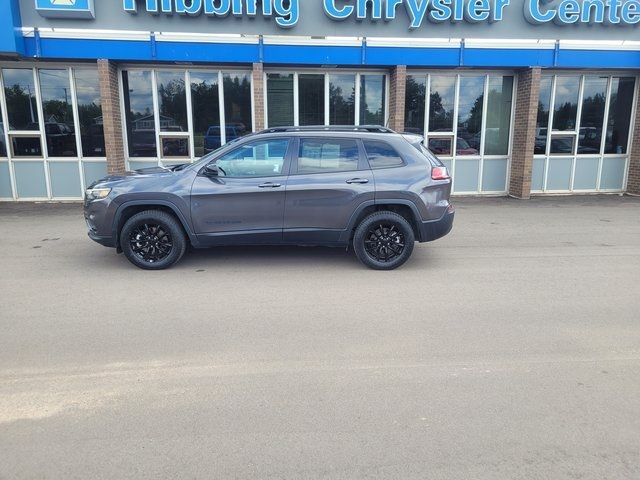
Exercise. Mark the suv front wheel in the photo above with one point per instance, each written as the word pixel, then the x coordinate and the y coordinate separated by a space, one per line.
pixel 153 240
pixel 383 240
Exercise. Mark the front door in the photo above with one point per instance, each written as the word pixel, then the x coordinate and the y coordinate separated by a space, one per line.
pixel 245 202
pixel 329 181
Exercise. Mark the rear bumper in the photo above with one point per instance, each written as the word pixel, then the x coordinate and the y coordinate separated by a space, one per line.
pixel 434 229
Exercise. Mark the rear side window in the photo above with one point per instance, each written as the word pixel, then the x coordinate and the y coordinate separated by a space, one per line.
pixel 327 155
pixel 381 154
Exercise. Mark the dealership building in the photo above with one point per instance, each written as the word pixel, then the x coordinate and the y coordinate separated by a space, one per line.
pixel 517 97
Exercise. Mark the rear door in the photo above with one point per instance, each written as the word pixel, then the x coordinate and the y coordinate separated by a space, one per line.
pixel 330 178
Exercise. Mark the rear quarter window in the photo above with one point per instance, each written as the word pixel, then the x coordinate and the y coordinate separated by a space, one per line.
pixel 382 155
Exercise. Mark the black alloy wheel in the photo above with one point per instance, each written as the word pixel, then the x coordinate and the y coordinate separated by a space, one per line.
pixel 384 240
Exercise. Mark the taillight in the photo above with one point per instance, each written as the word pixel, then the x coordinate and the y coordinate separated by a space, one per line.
pixel 440 173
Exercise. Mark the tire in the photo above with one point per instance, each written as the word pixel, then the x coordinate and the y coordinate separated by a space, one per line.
pixel 153 240
pixel 383 240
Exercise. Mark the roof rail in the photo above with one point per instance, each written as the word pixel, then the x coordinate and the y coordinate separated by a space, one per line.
pixel 331 128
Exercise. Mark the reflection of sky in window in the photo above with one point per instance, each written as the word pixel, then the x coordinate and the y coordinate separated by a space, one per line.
pixel 20 77
pixel 206 78
pixel 346 84
pixel 567 89
pixel 372 86
pixel 87 90
pixel 140 96
pixel 594 86
pixel 54 86
pixel 471 88
pixel 445 87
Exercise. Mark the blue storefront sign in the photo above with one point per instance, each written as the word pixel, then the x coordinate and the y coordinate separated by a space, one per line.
pixel 82 9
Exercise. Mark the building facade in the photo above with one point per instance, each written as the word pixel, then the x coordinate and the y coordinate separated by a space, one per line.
pixel 517 97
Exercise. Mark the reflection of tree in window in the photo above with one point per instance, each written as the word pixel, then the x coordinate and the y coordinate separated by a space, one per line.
pixel 90 112
pixel 621 103
pixel 416 90
pixel 441 100
pixel 58 116
pixel 237 105
pixel 342 94
pixel 20 94
pixel 372 99
pixel 172 101
pixel 205 105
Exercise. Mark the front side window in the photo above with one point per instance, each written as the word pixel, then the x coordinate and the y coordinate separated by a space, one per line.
pixel 326 156
pixel 381 154
pixel 264 158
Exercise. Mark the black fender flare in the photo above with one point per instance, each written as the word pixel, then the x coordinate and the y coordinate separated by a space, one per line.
pixel 152 203
pixel 346 235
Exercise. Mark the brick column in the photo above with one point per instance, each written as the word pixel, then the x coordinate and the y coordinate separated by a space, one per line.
pixel 524 132
pixel 258 96
pixel 633 179
pixel 397 88
pixel 111 116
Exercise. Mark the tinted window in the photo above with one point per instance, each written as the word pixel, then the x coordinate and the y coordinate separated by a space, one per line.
pixel 205 104
pixel 264 158
pixel 342 94
pixel 237 104
pixel 138 102
pixel 20 93
pixel 381 154
pixel 172 100
pixel 335 155
pixel 58 116
pixel 470 107
pixel 566 103
pixel 441 103
pixel 592 118
pixel 90 112
pixel 619 115
pixel 544 104
pixel 311 99
pixel 414 102
pixel 372 91
pixel 280 99
pixel 496 139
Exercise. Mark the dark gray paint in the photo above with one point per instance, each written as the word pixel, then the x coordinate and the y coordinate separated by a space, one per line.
pixel 313 21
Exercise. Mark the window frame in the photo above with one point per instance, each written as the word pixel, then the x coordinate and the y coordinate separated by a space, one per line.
pixel 363 163
pixel 451 160
pixel 576 157
pixel 327 73
pixel 45 158
pixel 159 158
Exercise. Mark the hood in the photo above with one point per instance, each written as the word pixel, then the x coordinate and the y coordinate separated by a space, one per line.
pixel 142 173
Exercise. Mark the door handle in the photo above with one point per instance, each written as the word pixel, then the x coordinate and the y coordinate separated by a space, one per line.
pixel 269 185
pixel 357 180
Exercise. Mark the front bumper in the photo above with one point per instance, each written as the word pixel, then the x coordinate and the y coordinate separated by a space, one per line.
pixel 106 241
pixel 434 229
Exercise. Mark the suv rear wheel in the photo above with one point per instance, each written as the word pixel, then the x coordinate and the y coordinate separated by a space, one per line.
pixel 153 240
pixel 383 240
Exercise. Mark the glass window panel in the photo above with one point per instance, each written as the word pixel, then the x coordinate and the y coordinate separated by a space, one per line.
pixel 565 107
pixel 342 93
pixel 280 99
pixel 205 106
pixel 496 137
pixel 30 179
pixel 466 176
pixel 326 156
pixel 441 146
pixel 175 147
pixel 613 170
pixel 559 174
pixel 94 171
pixel 441 101
pixel 172 101
pixel 263 158
pixel 90 112
pixel 26 147
pixel 20 93
pixel 3 146
pixel 414 104
pixel 59 129
pixel 138 104
pixel 372 98
pixel 542 124
pixel 311 99
pixel 65 179
pixel 141 165
pixel 562 145
pixel 6 190
pixel 586 174
pixel 470 107
pixel 621 103
pixel 237 104
pixel 381 154
pixel 494 174
pixel 592 116
pixel 537 175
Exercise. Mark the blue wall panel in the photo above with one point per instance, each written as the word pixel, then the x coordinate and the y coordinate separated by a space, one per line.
pixel 10 36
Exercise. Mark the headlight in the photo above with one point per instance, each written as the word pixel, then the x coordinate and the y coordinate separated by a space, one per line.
pixel 97 193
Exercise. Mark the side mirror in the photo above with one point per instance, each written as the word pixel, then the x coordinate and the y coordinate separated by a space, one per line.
pixel 211 170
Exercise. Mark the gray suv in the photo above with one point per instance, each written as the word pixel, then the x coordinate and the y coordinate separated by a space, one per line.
pixel 364 186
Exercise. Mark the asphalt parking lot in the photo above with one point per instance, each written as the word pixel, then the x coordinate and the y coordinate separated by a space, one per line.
pixel 507 350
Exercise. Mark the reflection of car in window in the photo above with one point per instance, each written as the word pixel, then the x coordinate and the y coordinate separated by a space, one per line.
pixel 143 143
pixel 213 138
